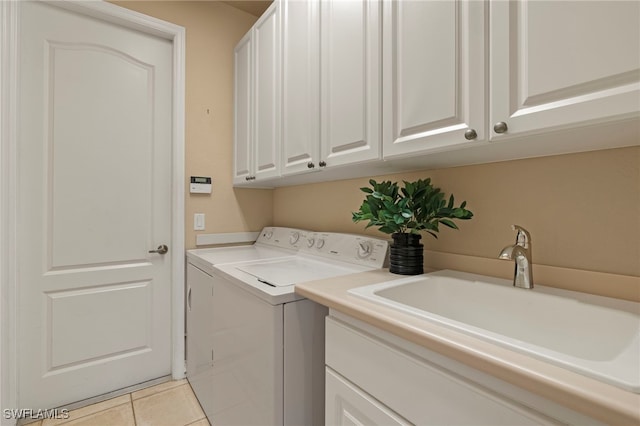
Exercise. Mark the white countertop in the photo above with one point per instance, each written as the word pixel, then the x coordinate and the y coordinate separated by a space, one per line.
pixel 591 397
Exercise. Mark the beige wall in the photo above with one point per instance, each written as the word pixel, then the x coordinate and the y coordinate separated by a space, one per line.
pixel 583 210
pixel 212 31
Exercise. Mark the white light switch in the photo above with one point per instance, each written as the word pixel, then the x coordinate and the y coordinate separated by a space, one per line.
pixel 198 222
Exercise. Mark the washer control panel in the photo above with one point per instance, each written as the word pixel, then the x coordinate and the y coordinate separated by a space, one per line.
pixel 358 249
pixel 290 238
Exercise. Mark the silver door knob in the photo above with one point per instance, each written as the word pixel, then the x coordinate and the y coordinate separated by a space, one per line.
pixel 470 134
pixel 162 249
pixel 500 127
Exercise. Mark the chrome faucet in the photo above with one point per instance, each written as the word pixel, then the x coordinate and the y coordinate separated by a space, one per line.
pixel 520 252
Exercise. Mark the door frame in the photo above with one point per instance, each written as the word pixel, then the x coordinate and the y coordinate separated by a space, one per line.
pixel 9 42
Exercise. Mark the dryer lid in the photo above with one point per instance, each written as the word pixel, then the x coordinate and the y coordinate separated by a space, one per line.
pixel 291 271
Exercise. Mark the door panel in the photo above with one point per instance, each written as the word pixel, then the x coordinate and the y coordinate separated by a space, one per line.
pixel 94 196
pixel 558 63
pixel 242 153
pixel 434 79
pixel 300 85
pixel 266 139
pixel 350 81
pixel 87 315
pixel 78 75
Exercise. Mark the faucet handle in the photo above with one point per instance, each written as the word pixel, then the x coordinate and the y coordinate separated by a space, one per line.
pixel 523 237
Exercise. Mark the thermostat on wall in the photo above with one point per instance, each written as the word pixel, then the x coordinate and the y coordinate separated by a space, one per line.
pixel 200 185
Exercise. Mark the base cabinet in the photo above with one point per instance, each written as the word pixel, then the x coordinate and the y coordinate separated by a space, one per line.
pixel 376 378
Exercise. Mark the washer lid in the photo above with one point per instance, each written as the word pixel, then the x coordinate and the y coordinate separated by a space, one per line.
pixel 287 272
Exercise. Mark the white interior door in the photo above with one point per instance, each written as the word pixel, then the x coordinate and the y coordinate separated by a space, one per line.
pixel 94 196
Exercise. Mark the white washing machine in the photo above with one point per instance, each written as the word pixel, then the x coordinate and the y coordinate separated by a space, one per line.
pixel 267 342
pixel 273 242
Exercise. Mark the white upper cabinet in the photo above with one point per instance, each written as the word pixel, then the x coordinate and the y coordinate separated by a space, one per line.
pixel 433 75
pixel 558 64
pixel 242 155
pixel 325 83
pixel 350 81
pixel 266 115
pixel 257 99
pixel 300 86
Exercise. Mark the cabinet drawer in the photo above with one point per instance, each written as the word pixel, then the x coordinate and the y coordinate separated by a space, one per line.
pixel 420 391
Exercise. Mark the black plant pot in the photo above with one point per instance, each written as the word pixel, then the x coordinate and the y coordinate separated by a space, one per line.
pixel 407 254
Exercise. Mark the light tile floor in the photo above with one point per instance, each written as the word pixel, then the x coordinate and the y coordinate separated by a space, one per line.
pixel 167 404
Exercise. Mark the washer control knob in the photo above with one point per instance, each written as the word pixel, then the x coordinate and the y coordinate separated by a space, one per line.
pixel 310 242
pixel 320 243
pixel 268 234
pixel 295 236
pixel 365 248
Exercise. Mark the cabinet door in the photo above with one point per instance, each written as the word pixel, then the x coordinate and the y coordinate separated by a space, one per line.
pixel 347 405
pixel 555 64
pixel 434 79
pixel 300 86
pixel 350 81
pixel 266 114
pixel 242 167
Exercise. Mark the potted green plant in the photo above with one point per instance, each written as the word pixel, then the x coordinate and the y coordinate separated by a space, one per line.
pixel 404 213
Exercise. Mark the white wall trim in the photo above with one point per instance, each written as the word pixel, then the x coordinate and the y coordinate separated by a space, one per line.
pixel 8 208
pixel 226 238
pixel 9 12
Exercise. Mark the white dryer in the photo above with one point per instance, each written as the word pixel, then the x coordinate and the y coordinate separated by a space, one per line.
pixel 267 341
pixel 273 242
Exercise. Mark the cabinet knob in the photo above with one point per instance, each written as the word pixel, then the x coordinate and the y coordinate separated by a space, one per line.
pixel 470 134
pixel 310 165
pixel 322 164
pixel 500 127
pixel 247 178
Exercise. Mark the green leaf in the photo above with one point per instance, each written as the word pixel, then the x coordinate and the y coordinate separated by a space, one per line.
pixel 448 223
pixel 414 207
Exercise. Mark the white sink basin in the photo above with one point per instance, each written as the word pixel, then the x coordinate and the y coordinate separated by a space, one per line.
pixel 592 335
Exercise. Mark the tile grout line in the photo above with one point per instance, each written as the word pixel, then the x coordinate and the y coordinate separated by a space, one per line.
pixel 89 414
pixel 133 410
pixel 157 393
